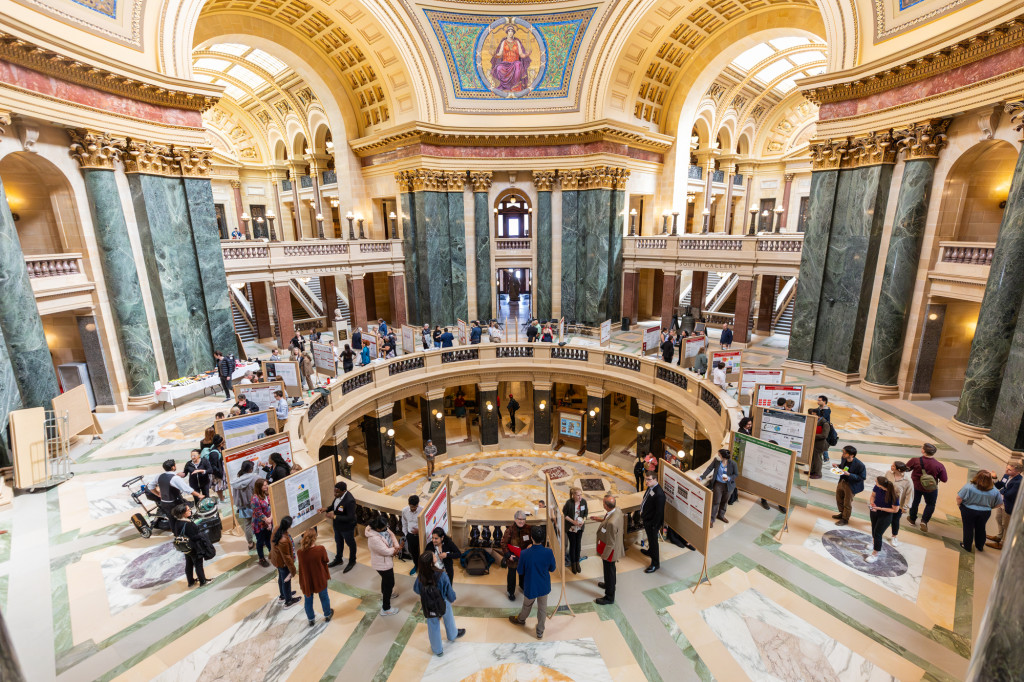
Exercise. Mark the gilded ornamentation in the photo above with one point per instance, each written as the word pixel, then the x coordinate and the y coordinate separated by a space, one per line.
pixel 923 140
pixel 1016 112
pixel 481 180
pixel 569 179
pixel 193 162
pixel 93 150
pixel 235 184
pixel 598 177
pixel 146 157
pixel 543 180
pixel 404 180
pixel 455 180
pixel 827 155
pixel 871 149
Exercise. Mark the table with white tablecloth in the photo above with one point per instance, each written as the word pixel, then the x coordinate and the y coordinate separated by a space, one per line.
pixel 175 395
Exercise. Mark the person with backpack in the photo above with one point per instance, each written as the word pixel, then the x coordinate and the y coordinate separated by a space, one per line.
pixel 926 472
pixel 214 455
pixel 225 369
pixel 314 575
pixel 282 556
pixel 821 432
pixel 513 407
pixel 536 564
pixel 436 598
pixel 189 540
pixel 242 490
pixel 384 547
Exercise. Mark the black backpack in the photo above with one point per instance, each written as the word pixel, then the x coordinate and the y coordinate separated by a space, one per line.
pixel 231 365
pixel 832 438
pixel 433 603
pixel 476 561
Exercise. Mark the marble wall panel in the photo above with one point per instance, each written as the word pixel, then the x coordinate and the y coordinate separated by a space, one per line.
pixel 482 248
pixel 900 274
pixel 571 243
pixel 439 257
pixel 489 419
pixel 10 400
pixel 542 281
pixel 613 306
pixel 93 349
pixel 161 211
pixel 422 223
pixel 19 318
pixel 598 256
pixel 210 259
pixel 411 258
pixel 122 279
pixel 380 455
pixel 457 238
pixel 812 264
pixel 1000 307
pixel 928 348
pixel 542 418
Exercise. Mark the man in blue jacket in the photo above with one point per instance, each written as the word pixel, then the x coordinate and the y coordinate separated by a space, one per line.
pixel 1009 486
pixel 851 482
pixel 536 563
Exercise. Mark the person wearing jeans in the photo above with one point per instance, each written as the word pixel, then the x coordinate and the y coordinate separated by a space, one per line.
pixel 536 563
pixel 313 575
pixel 262 523
pixel 383 547
pixel 430 574
pixel 282 556
pixel 976 500
pixel 925 464
pixel 1009 486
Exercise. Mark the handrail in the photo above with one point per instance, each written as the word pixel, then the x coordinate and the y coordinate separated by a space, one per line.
pixel 54 265
pixel 967 253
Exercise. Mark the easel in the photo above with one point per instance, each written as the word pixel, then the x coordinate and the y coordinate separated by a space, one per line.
pixel 554 531
pixel 782 498
pixel 687 501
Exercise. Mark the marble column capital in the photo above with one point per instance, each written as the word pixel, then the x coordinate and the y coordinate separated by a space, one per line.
pixel 481 180
pixel 93 149
pixel 875 148
pixel 455 181
pixel 923 140
pixel 828 154
pixel 569 179
pixel 1016 111
pixel 153 158
pixel 543 180
pixel 788 177
pixel 487 386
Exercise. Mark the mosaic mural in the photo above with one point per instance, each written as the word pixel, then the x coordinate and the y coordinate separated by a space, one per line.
pixel 116 20
pixel 893 17
pixel 502 57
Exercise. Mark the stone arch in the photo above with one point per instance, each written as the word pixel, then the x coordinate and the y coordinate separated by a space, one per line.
pixel 43 202
pixel 975 191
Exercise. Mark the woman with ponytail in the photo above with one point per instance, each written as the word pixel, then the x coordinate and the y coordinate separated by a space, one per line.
pixel 883 504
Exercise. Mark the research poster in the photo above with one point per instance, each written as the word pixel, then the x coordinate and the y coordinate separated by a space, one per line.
pixel 258 452
pixel 244 428
pixel 685 495
pixel 303 492
pixel 606 332
pixel 374 343
pixel 463 332
pixel 652 340
pixel 570 425
pixel 692 345
pixel 785 428
pixel 436 513
pixel 323 358
pixel 751 377
pixel 409 335
pixel 762 462
pixel 260 395
pixel 768 395
pixel 287 372
pixel 731 358
pixel 554 512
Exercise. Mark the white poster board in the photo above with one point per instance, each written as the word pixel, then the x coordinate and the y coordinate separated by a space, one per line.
pixel 323 359
pixel 258 452
pixel 606 332
pixel 692 345
pixel 554 513
pixel 436 513
pixel 409 335
pixel 685 495
pixel 731 358
pixel 373 340
pixel 651 340
pixel 767 464
pixel 785 428
pixel 750 377
pixel 285 371
pixel 767 395
pixel 570 425
pixel 561 330
pixel 463 332
pixel 245 428
pixel 302 490
pixel 260 395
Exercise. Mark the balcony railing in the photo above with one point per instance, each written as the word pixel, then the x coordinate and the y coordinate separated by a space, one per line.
pixel 375 247
pixel 329 177
pixel 60 279
pixel 58 265
pixel 695 172
pixel 512 244
pixel 243 256
pixel 776 250
pixel 966 253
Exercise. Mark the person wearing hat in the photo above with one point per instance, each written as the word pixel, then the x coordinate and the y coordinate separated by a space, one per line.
pixel 897 474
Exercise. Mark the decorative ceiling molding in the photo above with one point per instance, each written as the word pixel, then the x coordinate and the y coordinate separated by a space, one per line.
pixel 893 17
pixel 119 21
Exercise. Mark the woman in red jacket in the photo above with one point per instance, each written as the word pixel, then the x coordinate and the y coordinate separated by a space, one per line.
pixel 314 574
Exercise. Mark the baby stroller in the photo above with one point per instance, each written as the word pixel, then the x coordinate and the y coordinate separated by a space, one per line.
pixel 155 516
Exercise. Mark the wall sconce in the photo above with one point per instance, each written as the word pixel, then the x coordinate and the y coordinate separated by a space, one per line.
pixel 779 210
pixel 349 217
pixel 543 405
pixel 334 203
pixel 632 222
pixel 490 407
pixel 932 317
pixel 753 221
pixel 389 440
pixel 359 219
pixel 639 429
pixel 592 413
pixel 438 415
pixel 346 467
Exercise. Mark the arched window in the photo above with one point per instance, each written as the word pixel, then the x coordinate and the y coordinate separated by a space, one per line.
pixel 513 216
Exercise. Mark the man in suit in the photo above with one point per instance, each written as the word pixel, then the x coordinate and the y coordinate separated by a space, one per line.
pixel 1009 486
pixel 609 546
pixel 342 511
pixel 652 513
pixel 720 476
pixel 851 482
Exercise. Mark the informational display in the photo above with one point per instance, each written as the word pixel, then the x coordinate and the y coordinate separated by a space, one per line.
pixel 561 330
pixel 373 340
pixel 750 377
pixel 287 372
pixel 570 425
pixel 769 467
pixel 785 428
pixel 731 358
pixel 258 452
pixel 261 395
pixel 767 395
pixel 463 333
pixel 676 455
pixel 554 514
pixel 651 340
pixel 606 332
pixel 437 513
pixel 687 496
pixel 409 336
pixel 692 345
pixel 302 490
pixel 687 509
pixel 246 428
pixel 323 359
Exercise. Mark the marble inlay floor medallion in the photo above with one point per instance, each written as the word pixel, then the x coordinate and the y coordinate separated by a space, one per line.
pixel 575 659
pixel 852 548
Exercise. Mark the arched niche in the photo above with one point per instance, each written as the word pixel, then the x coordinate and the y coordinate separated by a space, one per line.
pixel 974 195
pixel 42 203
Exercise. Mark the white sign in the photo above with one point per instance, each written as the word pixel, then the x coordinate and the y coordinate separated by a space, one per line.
pixel 244 428
pixel 785 428
pixel 303 492
pixel 260 395
pixel 286 371
pixel 692 345
pixel 651 340
pixel 685 495
pixel 463 332
pixel 258 453
pixel 606 332
pixel 436 515
pixel 323 357
pixel 371 339
pixel 768 395
pixel 409 335
pixel 750 377
pixel 561 330
pixel 765 464
pixel 731 358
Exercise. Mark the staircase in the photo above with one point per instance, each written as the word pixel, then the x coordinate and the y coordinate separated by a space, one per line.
pixel 713 280
pixel 314 286
pixel 241 317
pixel 784 321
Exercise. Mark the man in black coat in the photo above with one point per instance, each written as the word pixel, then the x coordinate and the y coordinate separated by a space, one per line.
pixel 342 511
pixel 652 514
pixel 667 349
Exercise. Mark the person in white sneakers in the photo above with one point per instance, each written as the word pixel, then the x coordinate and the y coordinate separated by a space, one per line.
pixel 883 504
pixel 897 474
pixel 384 546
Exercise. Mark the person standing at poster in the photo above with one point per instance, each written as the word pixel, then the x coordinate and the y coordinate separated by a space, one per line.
pixel 652 513
pixel 342 512
pixel 411 528
pixel 721 473
pixel 536 564
pixel 609 547
pixel 575 514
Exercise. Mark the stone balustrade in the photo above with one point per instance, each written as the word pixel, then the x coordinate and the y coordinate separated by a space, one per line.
pixel 244 259
pixel 778 254
pixel 512 244
pixel 967 253
pixel 316 249
pixel 58 265
pixel 59 282
pixel 375 247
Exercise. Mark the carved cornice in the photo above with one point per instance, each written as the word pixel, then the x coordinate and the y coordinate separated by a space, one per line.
pixel 153 158
pixel 543 180
pixel 961 53
pixel 923 140
pixel 1016 112
pixel 455 181
pixel 426 180
pixel 18 51
pixel 597 177
pixel 828 155
pixel 870 150
pixel 570 179
pixel 5 120
pixel 94 150
pixel 404 180
pixel 481 180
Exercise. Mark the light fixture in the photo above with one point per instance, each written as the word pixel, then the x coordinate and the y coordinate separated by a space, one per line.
pixel 779 209
pixel 320 217
pixel 690 198
pixel 391 433
pixel 271 215
pixel 392 215
pixel 764 213
pixel 349 216
pixel 350 460
pixel 592 413
pixel 244 217
pixel 490 407
pixel 334 203
pixel 542 405
pixel 438 415
pixel 932 317
pixel 389 441
pixel 706 211
pixel 90 326
pixel 329 145
pixel 639 429
pixel 632 211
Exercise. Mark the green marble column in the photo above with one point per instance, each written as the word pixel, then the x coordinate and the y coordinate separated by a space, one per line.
pixel 613 301
pixel 543 181
pixel 595 280
pixel 456 225
pixel 900 273
pixel 210 258
pixel 997 319
pixel 122 279
pixel 10 400
pixel 409 231
pixel 161 211
pixel 571 241
pixel 482 244
pixel 861 198
pixel 439 257
pixel 419 207
pixel 19 319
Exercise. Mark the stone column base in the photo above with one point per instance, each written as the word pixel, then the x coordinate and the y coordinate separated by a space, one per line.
pixel 142 402
pixel 966 431
pixel 490 446
pixel 882 392
pixel 997 450
pixel 844 378
pixel 597 456
pixel 799 366
pixel 383 481
pixel 919 396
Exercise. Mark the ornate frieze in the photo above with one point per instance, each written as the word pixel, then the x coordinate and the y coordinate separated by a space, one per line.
pixel 93 150
pixel 481 180
pixel 870 150
pixel 922 140
pixel 543 180
pixel 603 177
pixel 404 180
pixel 828 155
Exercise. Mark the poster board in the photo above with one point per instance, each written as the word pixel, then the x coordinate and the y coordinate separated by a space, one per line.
pixel 324 361
pixel 462 335
pixel 245 428
pixel 651 340
pixel 767 395
pixel 733 360
pixel 287 372
pixel 556 528
pixel 571 429
pixel 606 332
pixel 371 339
pixel 763 469
pixel 28 446
pixel 791 430
pixel 301 496
pixel 258 452
pixel 80 417
pixel 436 512
pixel 691 348
pixel 676 455
pixel 409 337
pixel 687 506
pixel 561 330
pixel 261 394
pixel 750 377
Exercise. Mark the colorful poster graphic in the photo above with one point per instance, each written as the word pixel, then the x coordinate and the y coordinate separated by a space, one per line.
pixel 731 358
pixel 570 425
pixel 302 490
pixel 750 377
pixel 785 428
pixel 258 452
pixel 244 428
pixel 768 395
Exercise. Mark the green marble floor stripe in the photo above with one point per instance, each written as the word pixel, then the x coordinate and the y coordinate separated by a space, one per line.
pixel 334 669
pixel 614 613
pixel 658 602
pixel 398 646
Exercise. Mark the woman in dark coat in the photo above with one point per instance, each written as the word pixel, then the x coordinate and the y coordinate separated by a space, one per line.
pixel 198 471
pixel 445 550
pixel 277 468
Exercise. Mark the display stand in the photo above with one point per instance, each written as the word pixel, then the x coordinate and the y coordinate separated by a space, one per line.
pixel 302 494
pixel 409 337
pixel 767 395
pixel 463 329
pixel 606 333
pixel 437 512
pixel 733 360
pixel 687 511
pixel 81 420
pixel 285 371
pixel 370 338
pixel 651 340
pixel 749 378
pixel 555 537
pixel 571 429
pixel 324 361
pixel 692 346
pixel 261 394
pixel 791 430
pixel 765 470
pixel 246 428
